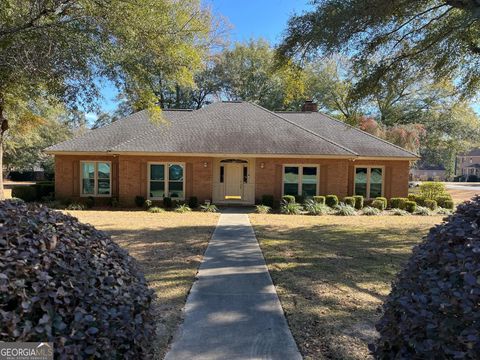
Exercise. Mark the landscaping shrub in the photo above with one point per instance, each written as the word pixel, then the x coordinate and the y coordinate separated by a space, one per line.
pixel 44 189
pixel 183 208
pixel 267 200
pixel 442 199
pixel 345 210
pixel 410 206
pixel 290 208
pixel 378 204
pixel 358 202
pixel 385 202
pixel 349 200
pixel 139 201
pixel 155 210
pixel 89 202
pixel 65 282
pixel 262 209
pixel 400 212
pixel 448 204
pixel 430 190
pixel 431 204
pixel 316 208
pixel 75 206
pixel 443 211
pixel 167 203
pixel 147 204
pixel 288 198
pixel 113 202
pixel 193 202
pixel 423 211
pixel 398 203
pixel 331 200
pixel 370 211
pixel 26 193
pixel 209 208
pixel 319 199
pixel 433 309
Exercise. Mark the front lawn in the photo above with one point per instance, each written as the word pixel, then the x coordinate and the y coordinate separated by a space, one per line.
pixel 332 274
pixel 169 248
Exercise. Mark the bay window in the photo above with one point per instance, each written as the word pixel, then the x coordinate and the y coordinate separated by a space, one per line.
pixel 369 181
pixel 166 180
pixel 300 180
pixel 95 178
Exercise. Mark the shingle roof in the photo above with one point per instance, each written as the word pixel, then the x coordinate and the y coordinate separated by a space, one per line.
pixel 232 127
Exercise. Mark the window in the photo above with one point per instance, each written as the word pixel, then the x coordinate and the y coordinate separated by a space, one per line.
pixel 166 180
pixel 95 178
pixel 369 181
pixel 300 180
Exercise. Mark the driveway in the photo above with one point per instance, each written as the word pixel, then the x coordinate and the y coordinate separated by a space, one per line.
pixel 233 311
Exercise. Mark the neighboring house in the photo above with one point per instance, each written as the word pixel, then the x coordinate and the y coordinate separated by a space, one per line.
pixel 429 173
pixel 469 163
pixel 229 153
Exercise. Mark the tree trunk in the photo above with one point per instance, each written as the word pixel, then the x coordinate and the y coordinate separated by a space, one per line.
pixel 3 129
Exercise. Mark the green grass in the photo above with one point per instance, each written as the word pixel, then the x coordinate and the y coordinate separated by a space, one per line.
pixel 332 273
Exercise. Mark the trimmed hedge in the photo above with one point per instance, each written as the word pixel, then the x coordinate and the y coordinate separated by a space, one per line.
pixel 358 202
pixel 139 201
pixel 331 200
pixel 431 204
pixel 193 202
pixel 289 198
pixel 384 199
pixel 167 203
pixel 410 206
pixel 442 199
pixel 349 200
pixel 448 204
pixel 398 203
pixel 378 204
pixel 319 199
pixel 267 200
pixel 26 193
pixel 75 287
pixel 433 310
pixel 419 199
pixel 430 190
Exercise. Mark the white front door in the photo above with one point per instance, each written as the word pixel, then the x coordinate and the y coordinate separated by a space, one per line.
pixel 233 181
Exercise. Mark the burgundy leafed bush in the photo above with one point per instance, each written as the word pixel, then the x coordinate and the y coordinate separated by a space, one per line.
pixel 433 311
pixel 66 282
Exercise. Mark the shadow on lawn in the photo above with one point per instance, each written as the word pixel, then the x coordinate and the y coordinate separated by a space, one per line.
pixel 332 279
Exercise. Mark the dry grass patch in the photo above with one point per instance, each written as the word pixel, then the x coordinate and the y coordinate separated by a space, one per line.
pixel 332 273
pixel 7 193
pixel 169 248
pixel 459 195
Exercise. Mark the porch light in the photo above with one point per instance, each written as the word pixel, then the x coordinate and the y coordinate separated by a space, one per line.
pixel 262 165
pixel 205 164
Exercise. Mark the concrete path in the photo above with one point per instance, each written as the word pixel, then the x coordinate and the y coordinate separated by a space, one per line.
pixel 233 311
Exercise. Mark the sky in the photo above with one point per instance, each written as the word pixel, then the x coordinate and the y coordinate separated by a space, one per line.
pixel 249 19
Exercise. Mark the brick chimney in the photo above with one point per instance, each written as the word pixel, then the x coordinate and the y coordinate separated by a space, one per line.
pixel 309 106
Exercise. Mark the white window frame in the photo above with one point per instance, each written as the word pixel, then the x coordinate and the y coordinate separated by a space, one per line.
pixel 167 179
pixel 300 177
pixel 95 178
pixel 369 172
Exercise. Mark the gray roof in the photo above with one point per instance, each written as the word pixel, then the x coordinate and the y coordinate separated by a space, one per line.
pixel 232 128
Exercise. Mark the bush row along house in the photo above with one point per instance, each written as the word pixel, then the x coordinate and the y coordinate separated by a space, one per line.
pixel 229 153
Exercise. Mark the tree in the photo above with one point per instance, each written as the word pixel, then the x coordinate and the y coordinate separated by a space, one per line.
pixel 60 48
pixel 441 36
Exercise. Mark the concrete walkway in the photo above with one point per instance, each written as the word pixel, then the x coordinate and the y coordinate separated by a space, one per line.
pixel 233 311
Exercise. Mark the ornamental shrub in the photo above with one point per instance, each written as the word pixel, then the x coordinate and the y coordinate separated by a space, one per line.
pixel 319 199
pixel 433 310
pixel 65 282
pixel 385 202
pixel 288 198
pixel 155 210
pixel 26 193
pixel 262 209
pixel 316 208
pixel 139 200
pixel 210 208
pixel 378 204
pixel 267 200
pixel 290 208
pixel 349 200
pixel 358 202
pixel 410 206
pixel 370 211
pixel 419 199
pixel 345 210
pixel 89 202
pixel 423 211
pixel 193 202
pixel 400 212
pixel 167 203
pixel 398 203
pixel 431 204
pixel 183 208
pixel 441 200
pixel 448 204
pixel 430 190
pixel 331 200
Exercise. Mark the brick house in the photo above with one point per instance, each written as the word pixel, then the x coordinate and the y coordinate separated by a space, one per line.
pixel 468 164
pixel 229 153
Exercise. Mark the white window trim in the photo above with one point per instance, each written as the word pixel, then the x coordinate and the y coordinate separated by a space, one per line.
pixel 369 170
pixel 95 178
pixel 167 179
pixel 300 175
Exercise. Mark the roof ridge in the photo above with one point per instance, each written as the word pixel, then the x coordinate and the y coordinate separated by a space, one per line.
pixel 366 133
pixel 305 129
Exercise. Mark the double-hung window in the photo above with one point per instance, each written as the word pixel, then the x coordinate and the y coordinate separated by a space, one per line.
pixel 95 178
pixel 166 180
pixel 300 180
pixel 369 181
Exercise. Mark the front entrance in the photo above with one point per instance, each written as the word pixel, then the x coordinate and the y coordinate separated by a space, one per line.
pixel 234 181
pixel 233 173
